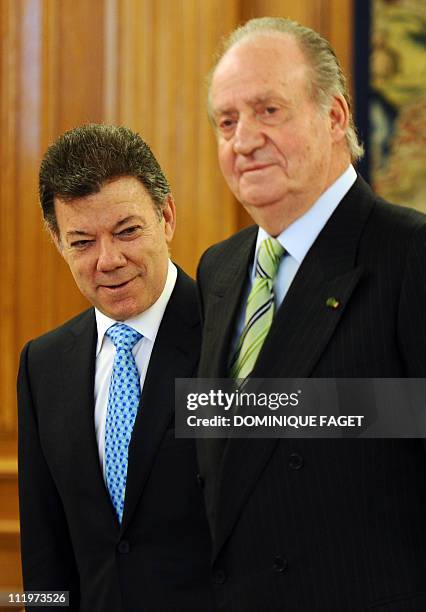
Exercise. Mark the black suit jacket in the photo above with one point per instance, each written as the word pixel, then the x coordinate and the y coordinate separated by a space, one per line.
pixel 158 559
pixel 323 525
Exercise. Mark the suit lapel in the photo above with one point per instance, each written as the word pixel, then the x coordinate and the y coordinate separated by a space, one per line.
pixel 298 337
pixel 175 355
pixel 78 365
pixel 225 303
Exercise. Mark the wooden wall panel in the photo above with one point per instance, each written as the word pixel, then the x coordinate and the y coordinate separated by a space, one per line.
pixel 307 12
pixel 10 567
pixel 337 27
pixel 8 86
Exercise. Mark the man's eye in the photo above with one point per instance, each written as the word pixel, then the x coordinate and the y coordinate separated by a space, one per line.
pixel 129 231
pixel 226 124
pixel 81 244
pixel 270 111
pixel 271 114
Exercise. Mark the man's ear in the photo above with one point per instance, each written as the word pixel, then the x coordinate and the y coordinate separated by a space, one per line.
pixel 339 118
pixel 169 216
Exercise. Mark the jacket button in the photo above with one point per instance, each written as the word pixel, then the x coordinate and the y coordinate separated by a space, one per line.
pixel 200 481
pixel 280 564
pixel 295 461
pixel 219 577
pixel 124 547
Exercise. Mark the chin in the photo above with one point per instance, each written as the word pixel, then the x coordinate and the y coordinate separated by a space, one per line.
pixel 259 197
pixel 119 312
pixel 262 205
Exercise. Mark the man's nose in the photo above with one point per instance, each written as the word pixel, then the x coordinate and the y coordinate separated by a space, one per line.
pixel 248 136
pixel 110 256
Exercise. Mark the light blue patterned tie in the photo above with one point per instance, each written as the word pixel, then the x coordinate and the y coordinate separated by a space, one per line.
pixel 123 402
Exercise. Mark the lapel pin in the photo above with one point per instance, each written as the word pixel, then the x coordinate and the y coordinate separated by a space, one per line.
pixel 332 302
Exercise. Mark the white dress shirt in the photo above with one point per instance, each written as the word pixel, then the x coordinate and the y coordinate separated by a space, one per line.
pixel 297 239
pixel 147 324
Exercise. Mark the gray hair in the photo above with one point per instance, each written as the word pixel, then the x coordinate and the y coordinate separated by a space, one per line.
pixel 327 78
pixel 83 159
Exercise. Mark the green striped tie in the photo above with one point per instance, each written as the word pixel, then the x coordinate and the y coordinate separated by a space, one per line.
pixel 259 310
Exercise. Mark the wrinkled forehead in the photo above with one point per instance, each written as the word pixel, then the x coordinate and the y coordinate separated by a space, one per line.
pixel 258 63
pixel 260 50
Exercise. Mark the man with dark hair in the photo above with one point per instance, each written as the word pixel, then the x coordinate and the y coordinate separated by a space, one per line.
pixel 330 282
pixel 111 509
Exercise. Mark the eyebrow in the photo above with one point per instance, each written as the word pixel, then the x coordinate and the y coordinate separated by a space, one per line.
pixel 269 95
pixel 77 233
pixel 118 225
pixel 129 219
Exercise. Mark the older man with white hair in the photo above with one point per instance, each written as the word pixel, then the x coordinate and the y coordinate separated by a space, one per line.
pixel 329 282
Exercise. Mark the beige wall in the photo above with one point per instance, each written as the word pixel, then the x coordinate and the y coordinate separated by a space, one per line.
pixel 136 62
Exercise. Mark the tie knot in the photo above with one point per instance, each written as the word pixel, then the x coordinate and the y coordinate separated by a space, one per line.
pixel 268 258
pixel 123 336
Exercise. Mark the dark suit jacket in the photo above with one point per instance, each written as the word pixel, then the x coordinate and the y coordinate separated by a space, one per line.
pixel 335 525
pixel 158 560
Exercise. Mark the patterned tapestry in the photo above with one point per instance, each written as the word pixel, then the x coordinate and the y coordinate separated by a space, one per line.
pixel 396 131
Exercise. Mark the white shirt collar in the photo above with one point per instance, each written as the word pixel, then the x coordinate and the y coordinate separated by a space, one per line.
pixel 147 322
pixel 298 237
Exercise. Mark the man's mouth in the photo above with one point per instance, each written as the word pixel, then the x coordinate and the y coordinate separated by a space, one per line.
pixel 117 286
pixel 254 168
